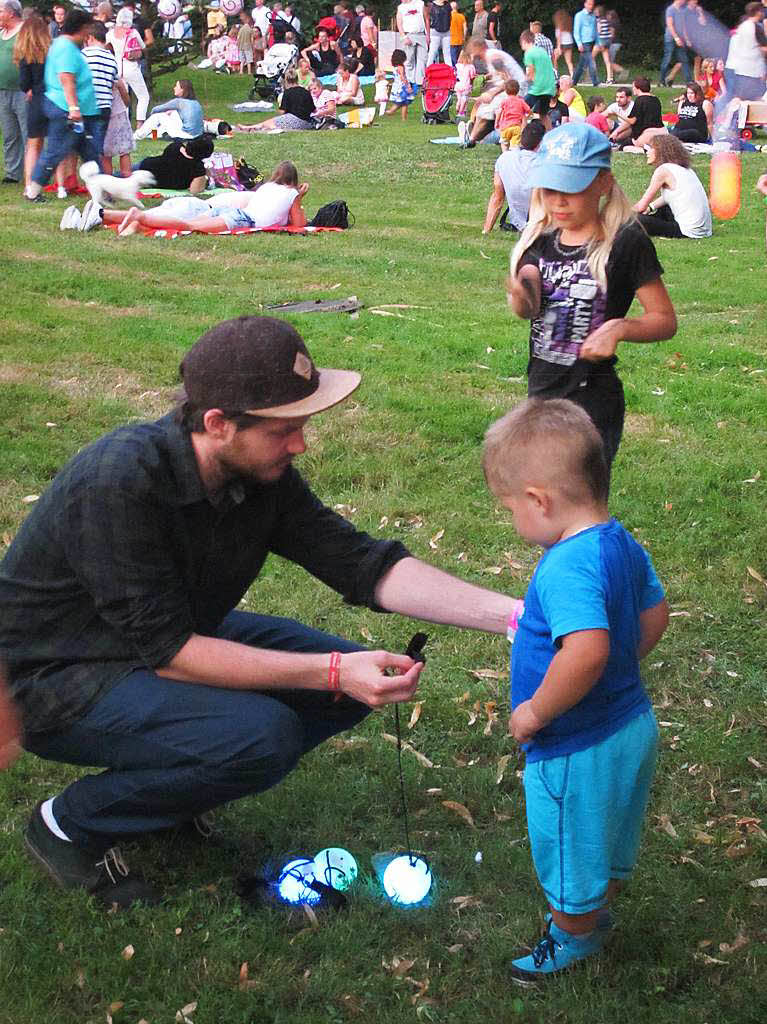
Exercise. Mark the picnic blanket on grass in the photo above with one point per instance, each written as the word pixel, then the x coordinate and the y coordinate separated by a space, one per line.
pixel 166 233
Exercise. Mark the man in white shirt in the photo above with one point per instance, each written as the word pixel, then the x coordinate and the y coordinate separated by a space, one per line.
pixel 413 26
pixel 616 114
pixel 261 15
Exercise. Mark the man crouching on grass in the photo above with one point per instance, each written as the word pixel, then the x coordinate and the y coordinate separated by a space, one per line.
pixel 118 602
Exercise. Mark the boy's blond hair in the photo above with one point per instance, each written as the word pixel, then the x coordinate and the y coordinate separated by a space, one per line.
pixel 550 443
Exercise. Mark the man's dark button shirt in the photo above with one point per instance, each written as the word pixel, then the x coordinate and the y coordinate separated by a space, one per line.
pixel 126 555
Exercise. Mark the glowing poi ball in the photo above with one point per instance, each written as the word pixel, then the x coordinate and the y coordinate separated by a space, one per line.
pixel 231 7
pixel 725 184
pixel 407 880
pixel 293 883
pixel 335 867
pixel 169 9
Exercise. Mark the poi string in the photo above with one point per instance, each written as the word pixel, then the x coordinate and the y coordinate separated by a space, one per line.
pixel 414 651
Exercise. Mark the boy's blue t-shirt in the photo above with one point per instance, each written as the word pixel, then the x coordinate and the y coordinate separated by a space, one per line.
pixel 65 56
pixel 600 578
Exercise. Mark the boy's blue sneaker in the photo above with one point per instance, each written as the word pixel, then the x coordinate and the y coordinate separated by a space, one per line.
pixel 557 951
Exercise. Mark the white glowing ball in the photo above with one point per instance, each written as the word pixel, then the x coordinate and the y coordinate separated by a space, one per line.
pixel 293 883
pixel 231 7
pixel 335 867
pixel 169 9
pixel 407 880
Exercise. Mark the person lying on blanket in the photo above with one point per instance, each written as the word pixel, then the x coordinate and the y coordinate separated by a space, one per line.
pixel 275 203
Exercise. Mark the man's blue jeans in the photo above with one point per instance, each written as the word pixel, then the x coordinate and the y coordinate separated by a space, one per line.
pixel 673 54
pixel 172 750
pixel 586 61
pixel 63 140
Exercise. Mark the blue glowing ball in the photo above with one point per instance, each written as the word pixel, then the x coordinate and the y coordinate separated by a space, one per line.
pixel 292 885
pixel 407 880
pixel 335 867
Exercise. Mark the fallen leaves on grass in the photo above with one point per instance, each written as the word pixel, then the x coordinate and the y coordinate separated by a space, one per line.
pixel 466 902
pixel 749 569
pixel 461 810
pixel 502 766
pixel 398 966
pixel 737 943
pixel 436 539
pixel 183 1016
pixel 128 953
pixel 415 714
pixel 492 717
pixel 421 758
pixel 486 673
pixel 665 823
pixel 244 983
pixel 758 883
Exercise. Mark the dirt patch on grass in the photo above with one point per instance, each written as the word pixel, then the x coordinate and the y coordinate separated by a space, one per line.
pixel 640 424
pixel 98 307
pixel 112 382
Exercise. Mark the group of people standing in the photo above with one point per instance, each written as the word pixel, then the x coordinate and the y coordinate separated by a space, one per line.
pixel 65 90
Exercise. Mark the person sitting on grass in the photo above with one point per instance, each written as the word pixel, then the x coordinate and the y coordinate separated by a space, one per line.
pixel 593 610
pixel 180 165
pixel 276 203
pixel 646 116
pixel 511 181
pixel 324 100
pixel 596 114
pixel 297 107
pixel 348 89
pixel 616 114
pixel 675 204
pixel 572 99
pixel 179 118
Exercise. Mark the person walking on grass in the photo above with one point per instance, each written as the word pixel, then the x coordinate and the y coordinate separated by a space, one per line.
pixel 594 609
pixel 69 104
pixel 13 102
pixel 585 35
pixel 540 76
pixel 458 31
pixel 120 618
pixel 575 271
pixel 674 50
pixel 413 27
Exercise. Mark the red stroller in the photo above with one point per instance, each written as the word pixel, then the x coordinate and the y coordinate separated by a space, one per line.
pixel 437 95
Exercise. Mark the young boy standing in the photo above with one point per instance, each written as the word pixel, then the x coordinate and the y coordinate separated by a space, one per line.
pixel 593 610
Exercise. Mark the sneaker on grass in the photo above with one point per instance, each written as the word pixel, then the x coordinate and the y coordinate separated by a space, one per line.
pixel 70 219
pixel 91 216
pixel 104 874
pixel 557 951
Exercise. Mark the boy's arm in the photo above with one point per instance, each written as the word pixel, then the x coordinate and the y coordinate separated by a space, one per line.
pixel 652 624
pixel 657 323
pixel 574 670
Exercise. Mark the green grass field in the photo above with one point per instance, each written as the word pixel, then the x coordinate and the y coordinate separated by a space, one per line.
pixel 94 330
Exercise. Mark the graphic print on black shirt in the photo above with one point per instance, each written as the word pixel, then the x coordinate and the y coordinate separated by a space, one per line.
pixel 572 306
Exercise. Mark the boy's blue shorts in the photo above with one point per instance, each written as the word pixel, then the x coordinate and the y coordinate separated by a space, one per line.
pixel 585 812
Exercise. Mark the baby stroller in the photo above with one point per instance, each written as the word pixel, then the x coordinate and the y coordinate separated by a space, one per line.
pixel 437 95
pixel 267 80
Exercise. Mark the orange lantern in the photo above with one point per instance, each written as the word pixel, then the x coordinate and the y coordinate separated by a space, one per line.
pixel 725 184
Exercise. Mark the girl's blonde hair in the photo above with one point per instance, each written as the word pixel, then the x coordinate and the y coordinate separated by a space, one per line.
pixel 32 42
pixel 614 212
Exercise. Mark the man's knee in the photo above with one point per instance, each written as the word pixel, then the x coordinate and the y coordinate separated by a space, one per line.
pixel 264 743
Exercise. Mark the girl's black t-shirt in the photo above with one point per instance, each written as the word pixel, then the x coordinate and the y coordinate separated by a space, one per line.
pixel 297 101
pixel 172 169
pixel 557 112
pixel 692 115
pixel 573 305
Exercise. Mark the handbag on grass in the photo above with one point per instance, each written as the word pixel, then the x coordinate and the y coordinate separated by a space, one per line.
pixel 332 215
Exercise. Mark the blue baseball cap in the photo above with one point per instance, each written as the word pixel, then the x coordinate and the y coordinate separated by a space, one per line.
pixel 570 157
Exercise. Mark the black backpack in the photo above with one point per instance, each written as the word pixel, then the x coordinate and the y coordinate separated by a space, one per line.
pixel 332 215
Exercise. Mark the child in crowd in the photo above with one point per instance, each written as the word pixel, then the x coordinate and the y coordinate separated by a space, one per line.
pixel 381 95
pixel 512 115
pixel 119 141
pixel 233 51
pixel 402 94
pixel 304 72
pixel 217 49
pixel 596 107
pixel 466 73
pixel 245 43
pixel 574 273
pixel 593 610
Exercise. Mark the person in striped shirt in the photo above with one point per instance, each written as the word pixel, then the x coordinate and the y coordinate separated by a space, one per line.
pixel 104 72
pixel 536 27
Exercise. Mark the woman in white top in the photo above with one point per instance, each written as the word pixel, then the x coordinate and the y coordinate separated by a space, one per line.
pixel 348 89
pixel 125 41
pixel 563 28
pixel 276 203
pixel 745 67
pixel 675 204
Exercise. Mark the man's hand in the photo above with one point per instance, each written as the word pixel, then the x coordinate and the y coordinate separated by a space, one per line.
pixel 524 723
pixel 602 343
pixel 364 677
pixel 10 730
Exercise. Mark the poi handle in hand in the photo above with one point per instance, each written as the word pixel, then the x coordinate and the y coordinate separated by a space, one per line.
pixel 725 185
